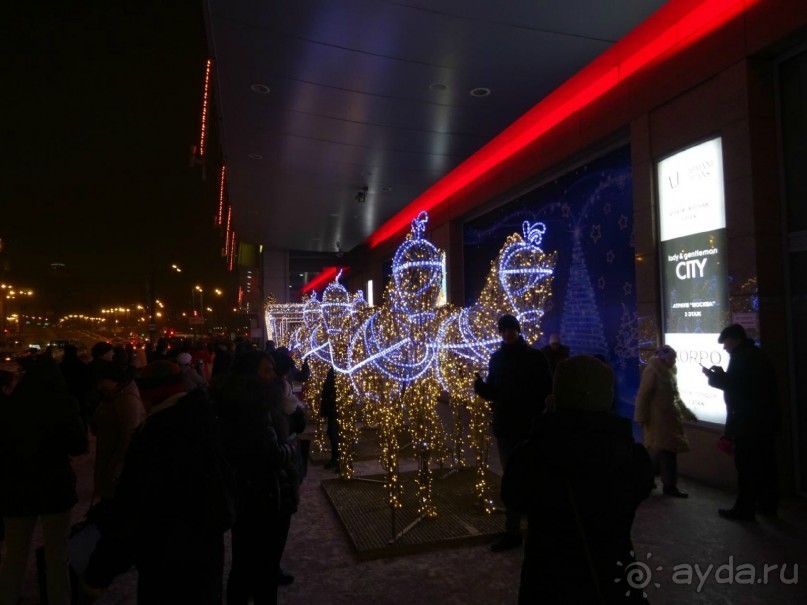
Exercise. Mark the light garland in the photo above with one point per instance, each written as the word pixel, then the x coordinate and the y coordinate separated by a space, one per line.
pixel 394 362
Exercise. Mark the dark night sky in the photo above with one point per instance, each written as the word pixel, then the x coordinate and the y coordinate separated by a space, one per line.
pixel 102 104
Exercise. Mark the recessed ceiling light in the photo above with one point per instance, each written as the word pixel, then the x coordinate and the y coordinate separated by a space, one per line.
pixel 255 156
pixel 437 87
pixel 261 89
pixel 480 92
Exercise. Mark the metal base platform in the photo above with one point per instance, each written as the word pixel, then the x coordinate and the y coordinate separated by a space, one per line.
pixel 362 508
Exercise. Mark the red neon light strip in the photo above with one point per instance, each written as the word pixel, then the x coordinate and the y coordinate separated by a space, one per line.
pixel 326 276
pixel 220 215
pixel 227 231
pixel 676 25
pixel 203 135
pixel 232 252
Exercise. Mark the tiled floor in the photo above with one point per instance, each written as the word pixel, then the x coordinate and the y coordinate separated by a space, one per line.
pixel 671 537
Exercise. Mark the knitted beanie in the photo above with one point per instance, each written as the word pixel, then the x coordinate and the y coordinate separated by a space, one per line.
pixel 583 383
pixel 159 380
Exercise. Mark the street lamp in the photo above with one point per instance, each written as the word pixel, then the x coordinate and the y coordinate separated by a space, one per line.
pixel 201 319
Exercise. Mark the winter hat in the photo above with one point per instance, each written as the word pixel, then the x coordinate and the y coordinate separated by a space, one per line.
pixel 666 353
pixel 508 321
pixel 101 348
pixel 159 380
pixel 184 359
pixel 583 383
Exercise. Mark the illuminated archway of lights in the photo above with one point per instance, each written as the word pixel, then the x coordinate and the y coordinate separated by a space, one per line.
pixel 394 362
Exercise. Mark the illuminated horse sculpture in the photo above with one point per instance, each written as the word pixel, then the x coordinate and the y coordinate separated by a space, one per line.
pixel 518 284
pixel 310 343
pixel 392 355
pixel 341 315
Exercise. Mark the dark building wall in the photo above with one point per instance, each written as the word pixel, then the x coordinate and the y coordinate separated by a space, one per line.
pixel 723 84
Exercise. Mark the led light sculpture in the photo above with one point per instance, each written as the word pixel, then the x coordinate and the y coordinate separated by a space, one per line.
pixel 313 330
pixel 519 284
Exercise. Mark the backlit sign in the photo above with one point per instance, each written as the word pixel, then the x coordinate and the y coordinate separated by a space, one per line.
pixel 694 278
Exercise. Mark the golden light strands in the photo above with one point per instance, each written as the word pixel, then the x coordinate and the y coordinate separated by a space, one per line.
pixel 397 361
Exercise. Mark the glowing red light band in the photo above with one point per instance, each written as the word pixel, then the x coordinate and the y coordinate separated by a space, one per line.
pixel 220 215
pixel 323 278
pixel 203 134
pixel 676 25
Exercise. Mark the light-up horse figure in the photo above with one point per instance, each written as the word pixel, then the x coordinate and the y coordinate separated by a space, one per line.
pixel 392 355
pixel 341 315
pixel 309 341
pixel 519 284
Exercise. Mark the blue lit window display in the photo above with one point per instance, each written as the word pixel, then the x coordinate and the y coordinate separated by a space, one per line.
pixel 588 213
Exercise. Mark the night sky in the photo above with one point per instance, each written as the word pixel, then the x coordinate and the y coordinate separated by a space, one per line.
pixel 102 106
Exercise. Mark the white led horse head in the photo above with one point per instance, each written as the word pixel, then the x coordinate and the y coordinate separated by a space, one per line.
pixel 312 312
pixel 417 270
pixel 522 269
pixel 359 301
pixel 336 306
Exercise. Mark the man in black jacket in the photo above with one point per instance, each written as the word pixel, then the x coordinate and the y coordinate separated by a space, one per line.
pixel 517 384
pixel 752 420
pixel 171 508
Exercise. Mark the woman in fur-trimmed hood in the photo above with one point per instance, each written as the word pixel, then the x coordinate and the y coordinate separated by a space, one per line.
pixel 660 412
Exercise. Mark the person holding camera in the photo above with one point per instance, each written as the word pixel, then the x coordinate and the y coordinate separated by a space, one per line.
pixel 517 385
pixel 752 419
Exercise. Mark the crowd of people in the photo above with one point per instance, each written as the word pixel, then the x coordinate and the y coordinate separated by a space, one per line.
pixel 191 442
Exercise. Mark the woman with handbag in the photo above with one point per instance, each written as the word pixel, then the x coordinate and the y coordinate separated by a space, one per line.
pixel 660 412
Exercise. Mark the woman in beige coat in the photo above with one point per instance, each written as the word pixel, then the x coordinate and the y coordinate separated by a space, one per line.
pixel 660 412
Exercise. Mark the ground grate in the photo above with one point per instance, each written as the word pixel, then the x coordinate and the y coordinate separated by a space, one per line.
pixel 361 507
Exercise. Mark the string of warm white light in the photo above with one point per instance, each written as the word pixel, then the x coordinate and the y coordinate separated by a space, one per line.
pixel 394 362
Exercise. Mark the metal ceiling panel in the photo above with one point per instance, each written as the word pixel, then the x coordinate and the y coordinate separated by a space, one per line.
pixel 377 94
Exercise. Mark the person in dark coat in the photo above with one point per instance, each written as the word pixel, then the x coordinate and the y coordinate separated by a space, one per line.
pixel 79 378
pixel 259 459
pixel 555 352
pixel 170 508
pixel 579 477
pixel 40 429
pixel 751 393
pixel 327 409
pixel 517 384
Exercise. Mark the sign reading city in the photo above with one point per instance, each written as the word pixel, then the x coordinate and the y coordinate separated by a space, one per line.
pixel 694 278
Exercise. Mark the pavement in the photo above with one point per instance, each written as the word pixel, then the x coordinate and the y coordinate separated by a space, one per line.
pixel 685 554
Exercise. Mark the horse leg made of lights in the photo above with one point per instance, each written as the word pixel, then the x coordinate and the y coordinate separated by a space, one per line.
pixel 519 283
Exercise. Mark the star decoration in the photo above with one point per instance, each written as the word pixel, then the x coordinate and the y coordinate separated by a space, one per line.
pixel 627 288
pixel 596 233
pixel 623 222
pixel 609 256
pixel 601 283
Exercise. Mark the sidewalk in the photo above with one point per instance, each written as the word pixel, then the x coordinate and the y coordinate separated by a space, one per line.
pixel 671 536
